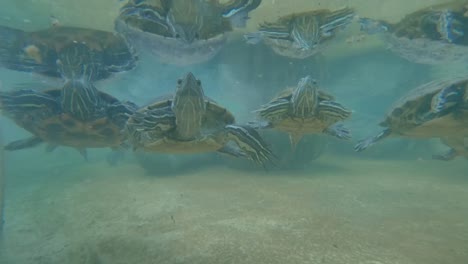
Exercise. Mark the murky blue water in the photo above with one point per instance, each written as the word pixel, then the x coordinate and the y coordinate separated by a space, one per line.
pixel 321 203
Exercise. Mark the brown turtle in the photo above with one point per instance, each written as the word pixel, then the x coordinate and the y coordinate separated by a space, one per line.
pixel 190 122
pixel 432 35
pixel 76 115
pixel 38 51
pixel 436 109
pixel 303 110
pixel 301 35
pixel 182 31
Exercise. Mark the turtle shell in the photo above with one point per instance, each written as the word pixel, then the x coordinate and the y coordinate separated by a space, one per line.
pixel 38 51
pixel 421 38
pixel 144 24
pixel 53 126
pixel 424 23
pixel 404 117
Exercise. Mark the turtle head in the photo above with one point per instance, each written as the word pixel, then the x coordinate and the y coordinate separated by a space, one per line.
pixel 184 25
pixel 79 96
pixel 304 98
pixel 77 62
pixel 189 106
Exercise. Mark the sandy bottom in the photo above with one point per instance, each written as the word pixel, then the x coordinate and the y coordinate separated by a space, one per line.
pixel 348 211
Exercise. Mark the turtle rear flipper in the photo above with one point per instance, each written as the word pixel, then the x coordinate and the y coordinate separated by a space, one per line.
pixel 364 144
pixel 23 143
pixel 337 19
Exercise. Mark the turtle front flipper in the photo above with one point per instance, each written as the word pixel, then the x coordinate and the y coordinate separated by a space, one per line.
pixel 333 111
pixel 250 142
pixel 338 131
pixel 364 144
pixel 237 11
pixel 336 19
pixel 23 143
pixel 373 26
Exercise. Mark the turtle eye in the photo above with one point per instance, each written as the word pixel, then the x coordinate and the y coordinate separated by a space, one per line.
pixel 177 35
pixel 179 81
pixel 199 82
pixel 197 36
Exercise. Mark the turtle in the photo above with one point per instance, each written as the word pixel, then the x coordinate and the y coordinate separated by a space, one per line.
pixel 182 32
pixel 304 109
pixel 433 35
pixel 188 121
pixel 75 115
pixel 38 51
pixel 301 35
pixel 437 109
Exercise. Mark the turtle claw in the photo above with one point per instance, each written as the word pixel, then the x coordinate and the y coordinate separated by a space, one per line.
pixel 365 143
pixel 338 131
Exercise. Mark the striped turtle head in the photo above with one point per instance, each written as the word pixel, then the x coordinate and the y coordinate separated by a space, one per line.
pixel 189 106
pixel 79 97
pixel 306 32
pixel 304 98
pixel 77 62
pixel 185 20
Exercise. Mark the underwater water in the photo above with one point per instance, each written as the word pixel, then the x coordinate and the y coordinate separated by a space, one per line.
pixel 322 202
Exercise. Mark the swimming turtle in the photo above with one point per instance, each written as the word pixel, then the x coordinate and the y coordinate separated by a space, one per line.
pixel 38 51
pixel 75 115
pixel 436 109
pixel 433 35
pixel 301 35
pixel 182 32
pixel 303 110
pixel 191 122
